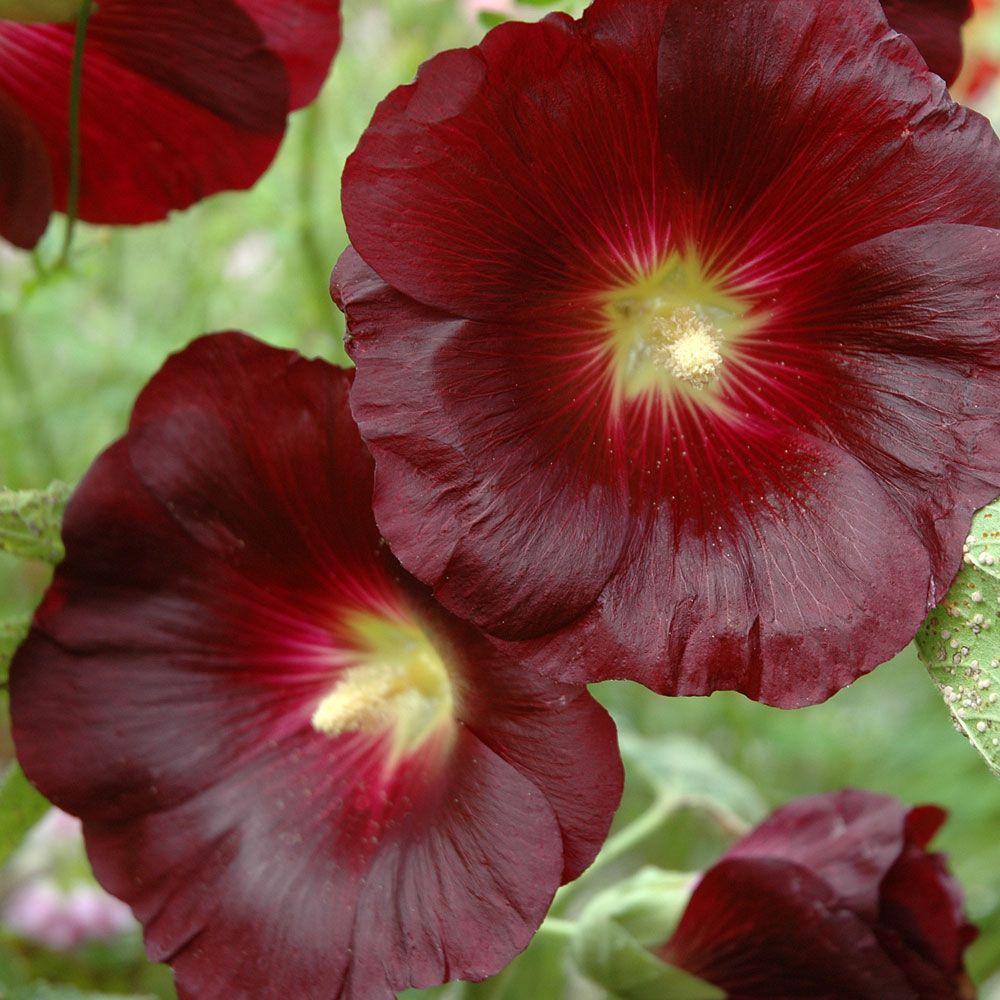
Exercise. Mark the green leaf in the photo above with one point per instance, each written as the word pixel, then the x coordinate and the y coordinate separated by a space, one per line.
pixel 21 807
pixel 689 772
pixel 959 643
pixel 490 19
pixel 30 521
pixel 52 991
pixel 12 634
pixel 618 930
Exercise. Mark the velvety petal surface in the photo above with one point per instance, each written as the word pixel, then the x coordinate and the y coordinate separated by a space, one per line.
pixel 755 541
pixel 767 928
pixel 180 99
pixel 306 36
pixel 935 26
pixel 177 661
pixel 499 516
pixel 833 897
pixel 25 178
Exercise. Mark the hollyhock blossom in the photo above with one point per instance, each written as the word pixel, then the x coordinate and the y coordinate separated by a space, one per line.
pixel 677 342
pixel 935 27
pixel 180 99
pixel 833 897
pixel 305 776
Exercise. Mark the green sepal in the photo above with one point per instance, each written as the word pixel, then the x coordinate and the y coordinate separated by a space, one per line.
pixel 21 807
pixel 959 643
pixel 30 521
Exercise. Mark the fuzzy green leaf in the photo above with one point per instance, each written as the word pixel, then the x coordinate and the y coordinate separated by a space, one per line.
pixel 959 643
pixel 30 522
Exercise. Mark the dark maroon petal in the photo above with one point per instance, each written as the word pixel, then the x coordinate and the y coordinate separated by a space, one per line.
pixel 250 882
pixel 849 839
pixel 504 523
pixel 779 598
pixel 921 906
pixel 776 917
pixel 180 100
pixel 767 928
pixel 904 327
pixel 838 156
pixel 306 36
pixel 935 27
pixel 514 173
pixel 167 695
pixel 25 179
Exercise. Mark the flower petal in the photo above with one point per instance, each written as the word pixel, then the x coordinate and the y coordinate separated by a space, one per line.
pixel 935 27
pixel 533 537
pixel 512 175
pixel 767 928
pixel 305 34
pixel 850 839
pixel 790 595
pixel 180 100
pixel 25 178
pixel 177 662
pixel 922 909
pixel 780 164
pixel 251 882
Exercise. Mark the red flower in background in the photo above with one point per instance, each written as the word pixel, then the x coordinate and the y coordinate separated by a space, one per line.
pixel 180 99
pixel 833 897
pixel 306 778
pixel 676 335
pixel 935 27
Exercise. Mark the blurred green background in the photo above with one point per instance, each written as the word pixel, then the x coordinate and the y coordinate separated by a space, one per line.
pixel 75 350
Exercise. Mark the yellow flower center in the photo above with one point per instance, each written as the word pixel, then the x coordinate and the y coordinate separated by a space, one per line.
pixel 399 684
pixel 670 331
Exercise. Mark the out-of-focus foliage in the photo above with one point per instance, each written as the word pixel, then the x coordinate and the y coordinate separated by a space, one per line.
pixel 76 347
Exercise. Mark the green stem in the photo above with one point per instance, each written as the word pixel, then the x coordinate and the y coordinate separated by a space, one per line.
pixel 75 95
pixel 617 846
pixel 558 928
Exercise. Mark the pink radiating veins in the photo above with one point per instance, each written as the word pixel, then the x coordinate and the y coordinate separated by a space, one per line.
pixel 833 895
pixel 216 558
pixel 180 99
pixel 793 168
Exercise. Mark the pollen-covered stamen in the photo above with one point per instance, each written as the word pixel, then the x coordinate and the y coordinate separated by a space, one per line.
pixel 670 331
pixel 399 685
pixel 687 345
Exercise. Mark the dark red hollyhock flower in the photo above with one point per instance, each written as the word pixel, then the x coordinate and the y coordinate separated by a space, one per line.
pixel 833 897
pixel 676 332
pixel 935 27
pixel 306 777
pixel 180 99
